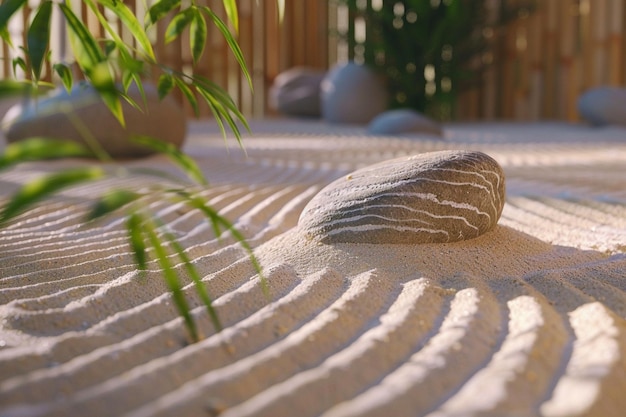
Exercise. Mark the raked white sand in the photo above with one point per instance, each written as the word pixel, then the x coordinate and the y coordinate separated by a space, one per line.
pixel 528 319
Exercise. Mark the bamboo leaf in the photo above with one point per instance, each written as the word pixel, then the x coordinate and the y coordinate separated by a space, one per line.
pixel 134 225
pixel 216 109
pixel 93 62
pixel 178 24
pixel 231 41
pixel 102 80
pixel 197 281
pixel 161 8
pixel 231 12
pixel 171 278
pixel 127 79
pixel 7 10
pixel 129 63
pixel 6 36
pixel 41 188
pixel 38 37
pixel 40 148
pixel 84 45
pixel 165 84
pixel 185 162
pixel 64 72
pixel 218 222
pixel 191 98
pixel 222 96
pixel 217 105
pixel 129 20
pixel 10 88
pixel 112 201
pixel 18 61
pixel 198 31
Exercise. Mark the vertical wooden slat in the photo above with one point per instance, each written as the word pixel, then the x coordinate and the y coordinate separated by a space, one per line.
pixel 333 38
pixel 535 49
pixel 550 56
pixel 566 81
pixel 599 36
pixel 508 72
pixel 298 34
pixel 246 42
pixel 258 62
pixel 615 42
pixel 272 41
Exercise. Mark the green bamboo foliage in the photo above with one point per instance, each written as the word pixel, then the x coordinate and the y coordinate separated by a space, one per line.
pixel 112 66
pixel 429 51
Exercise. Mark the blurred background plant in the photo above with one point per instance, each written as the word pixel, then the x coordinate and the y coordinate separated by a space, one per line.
pixel 428 50
pixel 112 65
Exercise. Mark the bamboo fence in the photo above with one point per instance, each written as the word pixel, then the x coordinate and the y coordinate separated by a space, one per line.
pixel 537 65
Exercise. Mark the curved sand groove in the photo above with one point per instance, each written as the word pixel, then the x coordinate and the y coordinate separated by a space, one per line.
pixel 528 319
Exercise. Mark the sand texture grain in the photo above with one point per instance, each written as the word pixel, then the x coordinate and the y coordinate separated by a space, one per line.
pixel 528 319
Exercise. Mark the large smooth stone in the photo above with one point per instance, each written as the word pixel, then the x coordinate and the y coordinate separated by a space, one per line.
pixel 296 92
pixel 603 106
pixel 434 197
pixel 48 117
pixel 393 122
pixel 353 93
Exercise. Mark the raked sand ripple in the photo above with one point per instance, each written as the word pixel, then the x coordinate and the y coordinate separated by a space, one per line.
pixel 527 319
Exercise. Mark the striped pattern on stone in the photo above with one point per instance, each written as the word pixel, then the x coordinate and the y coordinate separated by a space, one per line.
pixel 435 197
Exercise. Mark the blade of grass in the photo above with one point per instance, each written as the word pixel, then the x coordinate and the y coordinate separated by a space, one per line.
pixel 41 188
pixel 38 148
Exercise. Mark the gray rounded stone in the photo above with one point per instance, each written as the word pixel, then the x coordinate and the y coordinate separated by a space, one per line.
pixel 603 106
pixel 48 117
pixel 296 92
pixel 393 122
pixel 353 93
pixel 434 197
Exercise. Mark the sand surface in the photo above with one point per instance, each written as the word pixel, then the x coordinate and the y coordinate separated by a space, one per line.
pixel 528 319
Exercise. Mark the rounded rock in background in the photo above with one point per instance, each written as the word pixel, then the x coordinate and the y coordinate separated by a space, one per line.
pixel 399 121
pixel 48 117
pixel 435 197
pixel 353 93
pixel 603 106
pixel 296 92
